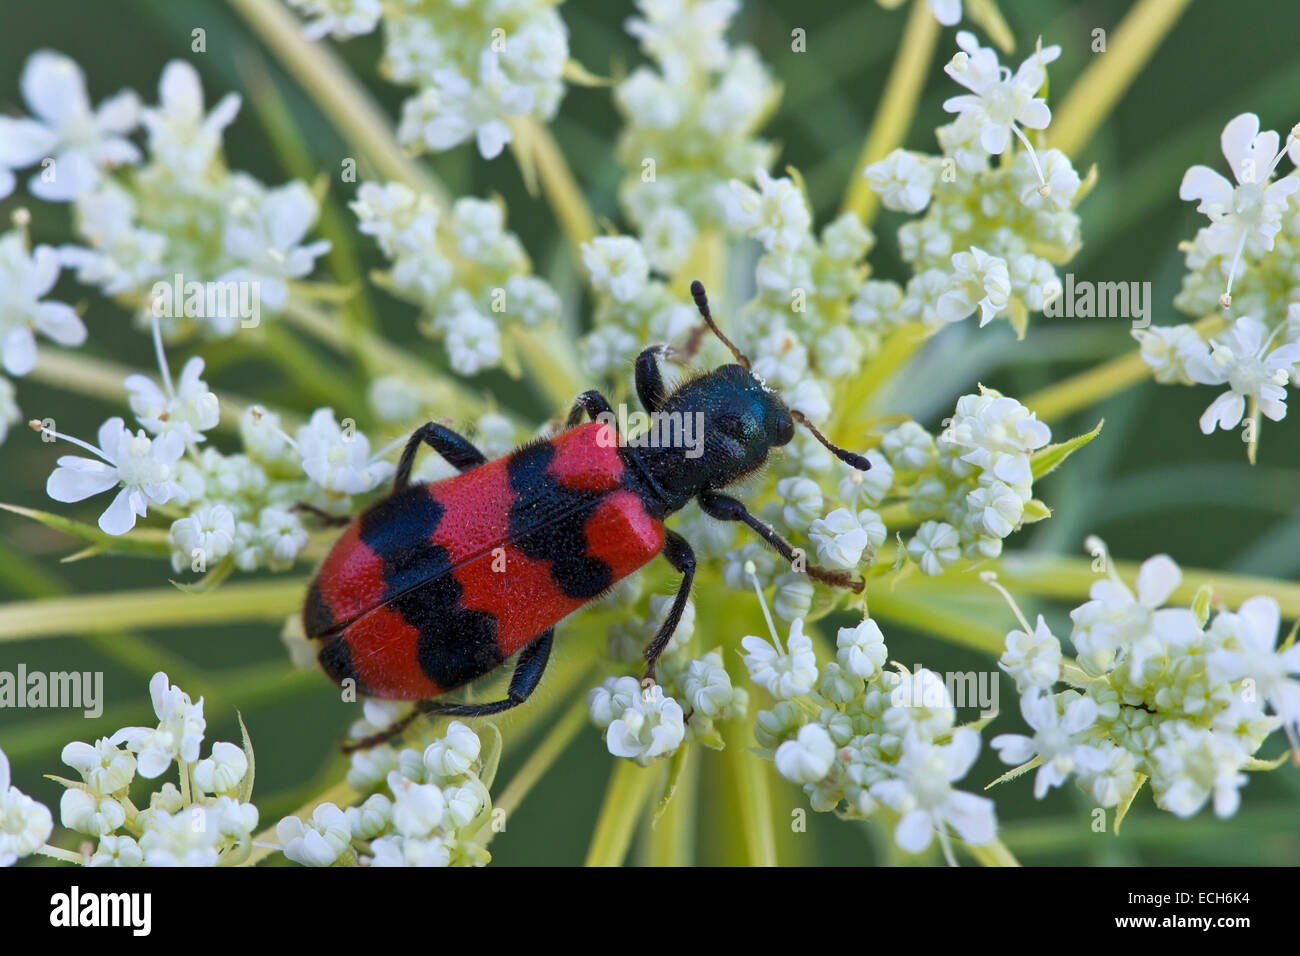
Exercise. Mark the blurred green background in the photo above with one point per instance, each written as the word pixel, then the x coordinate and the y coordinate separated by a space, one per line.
pixel 1151 483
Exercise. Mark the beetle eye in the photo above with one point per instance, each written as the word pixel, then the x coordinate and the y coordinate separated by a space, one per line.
pixel 783 429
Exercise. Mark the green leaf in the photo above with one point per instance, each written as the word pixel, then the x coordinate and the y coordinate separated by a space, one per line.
pixel 209 581
pixel 1015 772
pixel 1122 810
pixel 579 75
pixel 1035 510
pixel 146 541
pixel 675 765
pixel 1046 459
pixel 246 785
pixel 1255 763
pixel 491 756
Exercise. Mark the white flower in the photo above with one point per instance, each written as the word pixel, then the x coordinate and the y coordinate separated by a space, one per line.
pixel 265 236
pixel 652 726
pixel 338 18
pixel 454 754
pixel 921 704
pixel 776 214
pixel 419 809
pixel 682 35
pixel 222 772
pixel 280 537
pixel 10 413
pixel 81 142
pixel 1061 183
pixel 840 539
pixel 1056 739
pixel 1254 207
pixel 181 136
pixel 1240 358
pixel 782 674
pixel 617 265
pixel 473 340
pixel 807 758
pixel 998 102
pixel 1116 620
pixel 371 818
pixel 24 280
pixel 337 459
pixel 1192 765
pixel 320 841
pixel 25 825
pixel 1249 650
pixel 104 768
pixel 177 736
pixel 923 795
pixel 190 408
pixel 861 650
pixel 1170 351
pixel 935 546
pixel 607 702
pixel 979 281
pixel 904 180
pixel 396 851
pixel 1032 660
pixel 188 837
pixel 117 851
pixel 145 469
pixel 87 813
pixel 707 686
pixel 997 434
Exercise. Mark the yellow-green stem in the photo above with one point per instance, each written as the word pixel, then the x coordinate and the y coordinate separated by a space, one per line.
pixel 626 796
pixel 897 106
pixel 1109 75
pixel 337 93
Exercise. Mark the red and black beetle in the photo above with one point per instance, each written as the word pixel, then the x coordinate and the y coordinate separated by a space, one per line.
pixel 438 584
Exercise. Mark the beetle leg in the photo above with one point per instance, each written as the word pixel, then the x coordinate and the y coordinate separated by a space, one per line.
pixel 679 554
pixel 726 508
pixel 527 675
pixel 456 448
pixel 327 520
pixel 649 380
pixel 592 404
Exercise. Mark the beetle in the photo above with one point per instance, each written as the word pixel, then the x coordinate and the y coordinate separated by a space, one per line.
pixel 438 584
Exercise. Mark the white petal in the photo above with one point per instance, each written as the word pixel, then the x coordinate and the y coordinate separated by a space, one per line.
pixel 972 817
pixel 24 141
pixel 1157 579
pixel 54 86
pixel 1225 412
pixel 61 323
pixel 914 831
pixel 1264 617
pixel 1203 183
pixel 19 350
pixel 1236 141
pixel 119 518
pixel 76 482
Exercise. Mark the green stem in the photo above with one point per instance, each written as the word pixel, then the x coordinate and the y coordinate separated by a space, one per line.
pixel 337 93
pixel 628 792
pixel 1110 74
pixel 897 106
pixel 994 854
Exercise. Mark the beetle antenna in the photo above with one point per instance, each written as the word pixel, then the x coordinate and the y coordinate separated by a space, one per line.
pixel 849 458
pixel 702 303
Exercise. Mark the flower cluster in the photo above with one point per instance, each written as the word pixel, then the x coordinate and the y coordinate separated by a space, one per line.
pixel 208 821
pixel 861 739
pixel 1245 263
pixel 181 232
pixel 229 510
pixel 1169 694
pixel 429 808
pixel 462 267
pixel 991 235
pixel 692 693
pixel 690 123
pixel 475 66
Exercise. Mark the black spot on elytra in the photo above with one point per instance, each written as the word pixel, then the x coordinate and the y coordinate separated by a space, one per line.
pixel 546 523
pixel 316 616
pixel 336 658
